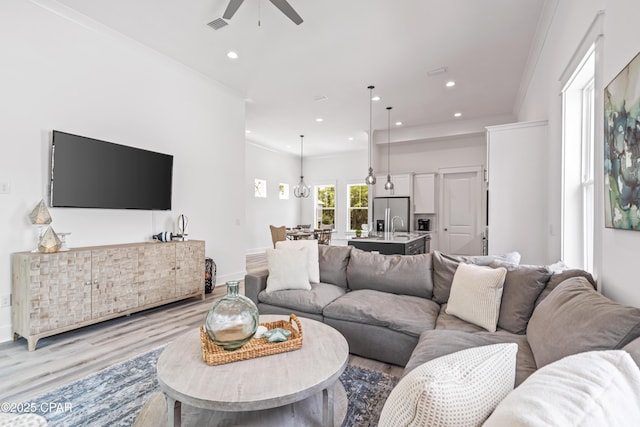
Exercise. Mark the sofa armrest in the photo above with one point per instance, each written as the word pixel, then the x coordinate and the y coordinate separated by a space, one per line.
pixel 254 283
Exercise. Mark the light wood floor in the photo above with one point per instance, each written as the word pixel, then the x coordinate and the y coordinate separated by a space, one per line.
pixel 63 358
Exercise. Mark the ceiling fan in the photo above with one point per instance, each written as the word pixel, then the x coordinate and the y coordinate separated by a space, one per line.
pixel 283 5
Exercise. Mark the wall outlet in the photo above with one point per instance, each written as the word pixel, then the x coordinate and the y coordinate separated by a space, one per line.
pixel 5 188
pixel 5 300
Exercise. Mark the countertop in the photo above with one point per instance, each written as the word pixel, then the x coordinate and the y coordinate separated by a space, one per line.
pixel 399 237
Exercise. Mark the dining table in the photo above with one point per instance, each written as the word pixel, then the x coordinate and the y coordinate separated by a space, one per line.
pixel 297 234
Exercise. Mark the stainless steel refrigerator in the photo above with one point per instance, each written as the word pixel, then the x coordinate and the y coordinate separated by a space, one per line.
pixel 389 208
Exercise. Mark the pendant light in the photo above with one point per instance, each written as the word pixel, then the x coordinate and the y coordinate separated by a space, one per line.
pixel 388 185
pixel 301 190
pixel 370 179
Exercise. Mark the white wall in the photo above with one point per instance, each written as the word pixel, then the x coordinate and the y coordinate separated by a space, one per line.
pixel 275 168
pixel 339 170
pixel 62 71
pixel 616 254
pixel 427 156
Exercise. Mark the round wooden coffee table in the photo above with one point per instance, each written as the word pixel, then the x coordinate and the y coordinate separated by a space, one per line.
pixel 251 388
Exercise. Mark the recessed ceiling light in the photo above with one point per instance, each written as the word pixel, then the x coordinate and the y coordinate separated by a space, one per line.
pixel 376 98
pixel 450 83
pixel 398 123
pixel 457 115
pixel 247 131
pixel 232 55
pixel 319 119
pixel 350 138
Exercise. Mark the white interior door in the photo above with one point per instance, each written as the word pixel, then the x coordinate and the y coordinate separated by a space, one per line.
pixel 461 202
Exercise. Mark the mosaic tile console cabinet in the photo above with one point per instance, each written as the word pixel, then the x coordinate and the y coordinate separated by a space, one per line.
pixel 58 292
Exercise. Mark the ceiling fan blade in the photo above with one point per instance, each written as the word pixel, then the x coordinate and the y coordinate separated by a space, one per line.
pixel 231 9
pixel 286 8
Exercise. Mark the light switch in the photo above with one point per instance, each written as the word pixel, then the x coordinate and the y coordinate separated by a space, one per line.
pixel 5 188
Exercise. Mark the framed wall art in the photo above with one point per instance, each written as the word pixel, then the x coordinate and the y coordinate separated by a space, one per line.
pixel 622 149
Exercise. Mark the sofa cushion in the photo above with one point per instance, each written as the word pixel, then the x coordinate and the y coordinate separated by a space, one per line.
pixel 461 389
pixel 476 293
pixel 444 267
pixel 438 343
pixel 522 286
pixel 598 388
pixel 451 322
pixel 398 274
pixel 560 277
pixel 311 301
pixel 403 313
pixel 574 318
pixel 288 269
pixel 312 246
pixel 333 262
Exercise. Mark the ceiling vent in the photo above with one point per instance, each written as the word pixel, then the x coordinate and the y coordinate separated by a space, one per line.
pixel 218 23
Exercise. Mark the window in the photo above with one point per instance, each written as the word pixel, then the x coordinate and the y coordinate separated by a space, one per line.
pixel 578 166
pixel 358 203
pixel 325 205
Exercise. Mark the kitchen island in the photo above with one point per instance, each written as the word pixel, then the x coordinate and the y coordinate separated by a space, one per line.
pixel 394 243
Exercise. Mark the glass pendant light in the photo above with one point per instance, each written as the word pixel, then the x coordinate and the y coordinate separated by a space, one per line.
pixel 370 179
pixel 301 190
pixel 388 185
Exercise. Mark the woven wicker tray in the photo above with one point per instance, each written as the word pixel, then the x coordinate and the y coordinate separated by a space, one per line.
pixel 213 354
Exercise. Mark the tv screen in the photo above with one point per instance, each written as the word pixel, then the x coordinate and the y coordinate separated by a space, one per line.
pixel 89 173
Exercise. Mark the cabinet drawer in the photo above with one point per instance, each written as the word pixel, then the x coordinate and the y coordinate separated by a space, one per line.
pixel 415 247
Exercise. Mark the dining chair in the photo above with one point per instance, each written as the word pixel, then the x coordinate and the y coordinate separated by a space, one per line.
pixel 278 234
pixel 323 236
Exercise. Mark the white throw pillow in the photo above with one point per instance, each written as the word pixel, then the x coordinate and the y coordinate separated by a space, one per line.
pixel 476 293
pixel 460 389
pixel 312 245
pixel 287 269
pixel 596 388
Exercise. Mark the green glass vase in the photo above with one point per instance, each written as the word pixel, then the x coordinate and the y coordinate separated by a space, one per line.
pixel 232 320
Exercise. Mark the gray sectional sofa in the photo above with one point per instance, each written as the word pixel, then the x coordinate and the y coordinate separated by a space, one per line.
pixel 392 308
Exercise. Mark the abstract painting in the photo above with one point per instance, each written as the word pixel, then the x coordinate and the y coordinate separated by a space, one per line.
pixel 622 149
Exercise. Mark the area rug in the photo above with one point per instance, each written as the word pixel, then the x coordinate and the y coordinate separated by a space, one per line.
pixel 114 396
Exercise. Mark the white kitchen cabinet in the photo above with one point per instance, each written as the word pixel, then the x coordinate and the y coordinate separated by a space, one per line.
pixel 517 181
pixel 402 186
pixel 424 193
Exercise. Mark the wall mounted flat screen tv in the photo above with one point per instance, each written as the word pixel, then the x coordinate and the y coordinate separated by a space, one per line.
pixel 89 173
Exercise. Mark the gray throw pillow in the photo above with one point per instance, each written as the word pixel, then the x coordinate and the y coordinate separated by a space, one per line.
pixel 558 278
pixel 575 318
pixel 333 262
pixel 397 274
pixel 522 286
pixel 445 266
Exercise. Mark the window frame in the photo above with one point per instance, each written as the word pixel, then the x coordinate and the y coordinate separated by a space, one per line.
pixel 350 208
pixel 316 217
